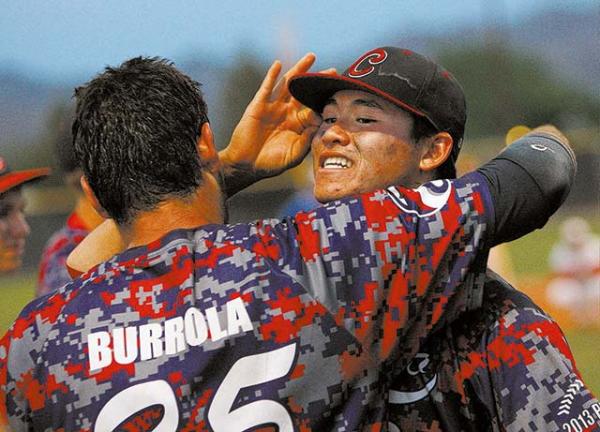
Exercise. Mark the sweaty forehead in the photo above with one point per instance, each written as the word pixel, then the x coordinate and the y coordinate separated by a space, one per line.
pixel 360 99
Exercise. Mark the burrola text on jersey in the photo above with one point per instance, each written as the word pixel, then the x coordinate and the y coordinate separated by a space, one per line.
pixel 125 345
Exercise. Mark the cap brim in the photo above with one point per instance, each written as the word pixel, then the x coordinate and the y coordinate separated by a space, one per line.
pixel 16 178
pixel 315 89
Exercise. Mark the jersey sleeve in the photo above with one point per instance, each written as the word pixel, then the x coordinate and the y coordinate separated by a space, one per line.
pixel 528 182
pixel 534 378
pixel 21 387
pixel 387 264
pixel 53 269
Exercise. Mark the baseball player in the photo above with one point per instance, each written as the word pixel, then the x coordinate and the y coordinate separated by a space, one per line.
pixel 295 324
pixel 53 271
pixel 501 364
pixel 14 229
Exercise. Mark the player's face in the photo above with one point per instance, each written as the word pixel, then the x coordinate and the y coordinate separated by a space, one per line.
pixel 13 230
pixel 364 143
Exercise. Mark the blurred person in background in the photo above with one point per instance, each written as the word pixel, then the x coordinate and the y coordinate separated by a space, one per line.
pixel 53 272
pixel 14 228
pixel 575 265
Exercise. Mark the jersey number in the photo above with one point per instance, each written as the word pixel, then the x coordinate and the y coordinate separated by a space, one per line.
pixel 247 371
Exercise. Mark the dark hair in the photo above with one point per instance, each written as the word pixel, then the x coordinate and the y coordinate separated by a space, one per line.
pixel 135 133
pixel 422 128
pixel 61 119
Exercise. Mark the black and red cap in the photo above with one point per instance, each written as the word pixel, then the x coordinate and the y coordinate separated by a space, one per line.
pixel 10 179
pixel 407 79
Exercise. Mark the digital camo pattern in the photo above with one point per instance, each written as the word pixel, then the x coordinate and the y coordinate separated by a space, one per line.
pixel 503 367
pixel 292 323
pixel 53 270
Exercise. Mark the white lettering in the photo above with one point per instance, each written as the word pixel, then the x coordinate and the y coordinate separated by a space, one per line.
pixel 196 331
pixel 174 339
pixel 125 344
pixel 237 317
pixel 150 342
pixel 214 325
pixel 170 337
pixel 99 353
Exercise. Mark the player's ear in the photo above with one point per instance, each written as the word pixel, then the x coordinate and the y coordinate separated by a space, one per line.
pixel 206 147
pixel 91 197
pixel 435 150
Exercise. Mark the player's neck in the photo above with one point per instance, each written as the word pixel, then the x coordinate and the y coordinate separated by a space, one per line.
pixel 201 208
pixel 87 213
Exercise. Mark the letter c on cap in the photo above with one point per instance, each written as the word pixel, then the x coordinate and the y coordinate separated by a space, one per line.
pixel 373 57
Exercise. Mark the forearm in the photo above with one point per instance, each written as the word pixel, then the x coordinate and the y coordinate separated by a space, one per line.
pixel 235 176
pixel 528 182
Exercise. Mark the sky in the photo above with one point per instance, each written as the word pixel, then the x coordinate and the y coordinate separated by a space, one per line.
pixel 63 39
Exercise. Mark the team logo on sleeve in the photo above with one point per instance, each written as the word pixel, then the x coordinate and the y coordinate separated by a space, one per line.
pixel 429 198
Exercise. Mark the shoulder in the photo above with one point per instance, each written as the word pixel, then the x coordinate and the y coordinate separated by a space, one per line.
pixel 24 343
pixel 514 337
pixel 63 241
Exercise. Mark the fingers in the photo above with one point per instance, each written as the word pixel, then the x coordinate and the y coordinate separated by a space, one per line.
pixel 553 131
pixel 329 71
pixel 268 83
pixel 301 66
pixel 301 147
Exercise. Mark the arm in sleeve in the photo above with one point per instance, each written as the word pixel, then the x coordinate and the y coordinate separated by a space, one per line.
pixel 528 182
pixel 534 378
pixel 387 265
pixel 14 407
pixel 21 389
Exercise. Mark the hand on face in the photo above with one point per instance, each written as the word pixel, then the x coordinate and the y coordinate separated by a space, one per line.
pixel 364 143
pixel 275 131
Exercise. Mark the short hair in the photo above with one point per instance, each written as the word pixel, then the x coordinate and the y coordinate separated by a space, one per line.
pixel 422 128
pixel 62 119
pixel 135 135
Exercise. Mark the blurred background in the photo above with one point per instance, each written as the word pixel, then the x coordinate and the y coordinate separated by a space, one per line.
pixel 521 62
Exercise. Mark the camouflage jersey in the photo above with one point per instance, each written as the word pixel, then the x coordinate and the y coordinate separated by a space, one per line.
pixel 53 271
pixel 503 366
pixel 293 323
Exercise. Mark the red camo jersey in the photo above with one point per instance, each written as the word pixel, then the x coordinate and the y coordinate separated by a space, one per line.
pixel 53 271
pixel 295 323
pixel 505 366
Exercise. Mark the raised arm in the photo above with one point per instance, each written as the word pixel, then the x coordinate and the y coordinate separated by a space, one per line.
pixel 274 133
pixel 529 181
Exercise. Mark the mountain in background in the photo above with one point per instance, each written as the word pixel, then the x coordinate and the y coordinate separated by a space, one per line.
pixel 569 43
pixel 566 42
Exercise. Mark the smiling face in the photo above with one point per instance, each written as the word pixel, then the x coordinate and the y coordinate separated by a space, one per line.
pixel 364 143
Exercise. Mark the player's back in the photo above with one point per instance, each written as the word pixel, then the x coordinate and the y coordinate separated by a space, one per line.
pixel 195 331
pixel 295 324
